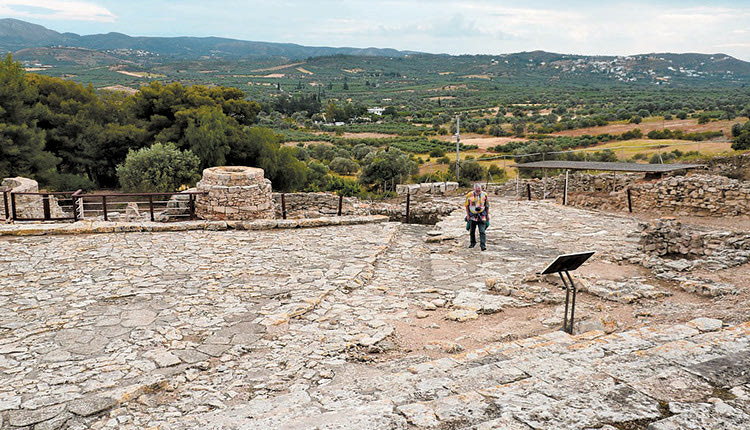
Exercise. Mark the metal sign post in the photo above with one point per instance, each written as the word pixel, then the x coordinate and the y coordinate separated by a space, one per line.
pixel 458 145
pixel 563 264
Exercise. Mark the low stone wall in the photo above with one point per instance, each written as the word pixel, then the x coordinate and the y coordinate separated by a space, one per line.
pixel 554 186
pixel 435 188
pixel 234 193
pixel 698 195
pixel 734 167
pixel 315 205
pixel 423 209
pixel 672 250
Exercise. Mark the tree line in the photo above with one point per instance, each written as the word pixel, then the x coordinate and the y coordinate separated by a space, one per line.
pixel 67 136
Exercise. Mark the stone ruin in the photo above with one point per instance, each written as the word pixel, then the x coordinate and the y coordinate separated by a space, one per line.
pixel 234 193
pixel 436 188
pixel 28 206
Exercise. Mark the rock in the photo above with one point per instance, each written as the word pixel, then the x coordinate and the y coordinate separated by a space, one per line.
pixel 429 306
pixel 461 315
pixel 10 402
pixel 705 324
pixel 53 424
pixel 605 323
pixel 678 265
pixel 26 417
pixel 481 303
pixel 422 315
pixel 419 414
pixel 91 405
pixel 377 337
pixel 622 292
pixel 444 346
pixel 166 359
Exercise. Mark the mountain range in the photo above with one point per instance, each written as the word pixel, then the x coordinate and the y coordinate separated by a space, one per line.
pixel 36 45
pixel 16 35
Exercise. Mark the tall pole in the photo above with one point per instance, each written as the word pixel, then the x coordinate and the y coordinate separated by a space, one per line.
pixel 458 143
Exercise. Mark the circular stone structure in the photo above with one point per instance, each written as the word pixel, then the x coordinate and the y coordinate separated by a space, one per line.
pixel 234 193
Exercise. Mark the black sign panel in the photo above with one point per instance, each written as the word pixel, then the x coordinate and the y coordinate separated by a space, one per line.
pixel 568 262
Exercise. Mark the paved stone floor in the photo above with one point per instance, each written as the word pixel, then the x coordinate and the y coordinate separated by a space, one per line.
pixel 307 329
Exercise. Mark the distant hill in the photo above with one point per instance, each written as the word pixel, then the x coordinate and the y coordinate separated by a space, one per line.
pixel 175 57
pixel 16 35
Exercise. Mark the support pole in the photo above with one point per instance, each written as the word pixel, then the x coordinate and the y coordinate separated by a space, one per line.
pixel 567 302
pixel 341 204
pixel 45 207
pixel 573 304
pixel 7 206
pixel 283 206
pixel 458 145
pixel 408 201
pixel 544 181
pixel 104 207
pixel 565 193
pixel 13 205
pixel 151 207
pixel 570 302
pixel 630 202
pixel 528 190
pixel 75 205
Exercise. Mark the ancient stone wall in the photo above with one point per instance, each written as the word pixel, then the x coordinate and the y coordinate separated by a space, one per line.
pixel 315 205
pixel 699 195
pixel 234 193
pixel 735 167
pixel 671 250
pixel 435 188
pixel 554 186
pixel 423 209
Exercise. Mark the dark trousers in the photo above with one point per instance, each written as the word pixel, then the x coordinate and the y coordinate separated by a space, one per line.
pixel 482 237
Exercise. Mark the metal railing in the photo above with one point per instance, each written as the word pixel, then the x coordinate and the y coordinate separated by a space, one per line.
pixel 24 206
pixel 74 206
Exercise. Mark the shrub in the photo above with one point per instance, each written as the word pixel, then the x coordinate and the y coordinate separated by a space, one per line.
pixel 498 174
pixel 471 171
pixel 160 168
pixel 437 152
pixel 742 141
pixel 343 166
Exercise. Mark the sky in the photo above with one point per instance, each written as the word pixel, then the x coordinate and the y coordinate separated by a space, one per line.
pixel 435 26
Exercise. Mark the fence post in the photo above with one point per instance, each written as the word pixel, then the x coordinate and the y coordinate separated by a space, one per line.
pixel 528 190
pixel 192 206
pixel 283 205
pixel 565 192
pixel 74 204
pixel 45 207
pixel 341 203
pixel 408 201
pixel 104 207
pixel 13 205
pixel 7 206
pixel 151 206
pixel 630 202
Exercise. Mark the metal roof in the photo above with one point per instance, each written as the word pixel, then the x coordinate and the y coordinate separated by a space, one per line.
pixel 612 167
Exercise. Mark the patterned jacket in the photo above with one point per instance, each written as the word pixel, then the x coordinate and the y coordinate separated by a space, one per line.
pixel 477 207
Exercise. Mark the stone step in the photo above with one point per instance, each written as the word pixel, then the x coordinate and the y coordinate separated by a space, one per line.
pixel 691 376
pixel 560 381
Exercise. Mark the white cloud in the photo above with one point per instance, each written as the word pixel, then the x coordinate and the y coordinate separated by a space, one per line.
pixel 56 10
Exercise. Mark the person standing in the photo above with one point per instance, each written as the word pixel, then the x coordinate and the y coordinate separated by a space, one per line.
pixel 477 215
